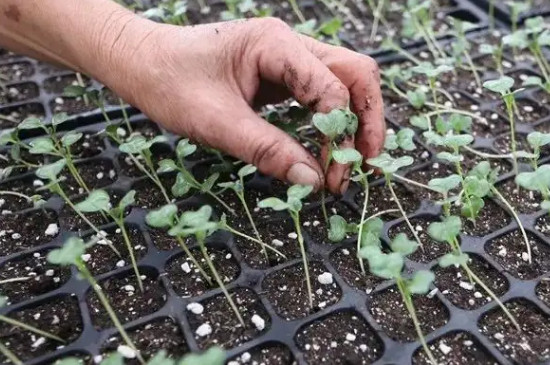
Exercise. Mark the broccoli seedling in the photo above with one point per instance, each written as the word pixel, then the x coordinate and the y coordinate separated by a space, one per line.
pixel 503 86
pixel 448 231
pixel 99 201
pixel 335 125
pixel 432 73
pixel 70 254
pixel 185 181
pixel 390 266
pixel 199 225
pixel 293 205
pixel 170 12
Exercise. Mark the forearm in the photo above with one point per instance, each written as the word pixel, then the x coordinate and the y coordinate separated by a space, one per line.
pixel 85 35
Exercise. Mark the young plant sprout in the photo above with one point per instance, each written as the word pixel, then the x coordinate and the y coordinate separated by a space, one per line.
pixel 377 9
pixel 539 38
pixel 390 266
pixel 12 137
pixel 432 73
pixel 99 201
pixel 496 52
pixel 539 181
pixel 199 225
pixel 418 20
pixel 389 166
pixel 70 254
pixel 185 181
pixel 335 126
pixel 293 205
pixel 461 48
pixel 238 188
pixel 503 86
pixel 237 9
pixel 516 8
pixel 52 145
pixel 139 145
pixel 448 231
pixel 170 12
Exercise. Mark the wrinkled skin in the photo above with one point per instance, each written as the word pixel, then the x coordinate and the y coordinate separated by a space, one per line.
pixel 204 81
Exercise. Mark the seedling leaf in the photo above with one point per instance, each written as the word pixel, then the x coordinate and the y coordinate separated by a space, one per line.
pixel 447 230
pixel 212 356
pixel 337 231
pixel 401 244
pixel 388 164
pixel 273 203
pixel 69 253
pixel 97 200
pixel 246 170
pixel 162 217
pixel 446 184
pixel 453 259
pixel 502 85
pixel 51 171
pixel 347 155
pixel 420 282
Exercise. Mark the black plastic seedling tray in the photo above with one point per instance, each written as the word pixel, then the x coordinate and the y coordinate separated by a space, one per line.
pixel 289 335
pixel 502 10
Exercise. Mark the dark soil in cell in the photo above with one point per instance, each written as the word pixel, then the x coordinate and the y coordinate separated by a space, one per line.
pixel 186 279
pixel 280 235
pixel 128 302
pixel 455 284
pixel 543 225
pixel 339 338
pixel 401 114
pixel 287 291
pixel 543 291
pixel 345 261
pixel 389 311
pixel 529 112
pixel 420 154
pixel 145 128
pixel 149 195
pixel 455 348
pixel 20 113
pixel 17 71
pixel 492 124
pixel 71 106
pixel 129 168
pixel 163 241
pixel 315 225
pixel 270 354
pixel 162 334
pixel 543 127
pixel 510 252
pixel 102 258
pixel 71 221
pixel 435 170
pixel 226 330
pixel 471 160
pixel 490 219
pixel 432 249
pixel 24 186
pixel 19 92
pixel 523 201
pixel 531 345
pixel 95 173
pixel 60 317
pixel 22 231
pixel 542 96
pixel 381 199
pixel 463 80
pixel 89 145
pixel 57 84
pixel 31 276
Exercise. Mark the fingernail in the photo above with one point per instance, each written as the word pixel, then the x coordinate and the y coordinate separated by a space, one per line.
pixel 300 173
pixel 345 182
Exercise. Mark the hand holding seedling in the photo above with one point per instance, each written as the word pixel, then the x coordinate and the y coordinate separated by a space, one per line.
pixel 203 81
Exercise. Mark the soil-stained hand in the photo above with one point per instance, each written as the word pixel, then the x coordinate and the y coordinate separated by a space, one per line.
pixel 203 82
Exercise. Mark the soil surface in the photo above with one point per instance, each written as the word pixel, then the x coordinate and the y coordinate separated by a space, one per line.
pixel 388 310
pixel 270 354
pixel 529 346
pixel 347 264
pixel 60 317
pixel 226 330
pixel 286 290
pixel 128 302
pixel 339 338
pixel 22 231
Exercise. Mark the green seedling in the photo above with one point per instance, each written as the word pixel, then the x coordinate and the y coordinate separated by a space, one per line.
pixel 212 356
pixel 238 188
pixel 539 38
pixel 52 145
pixel 99 201
pixel 432 73
pixel 237 9
pixel 137 145
pixel 70 254
pixel 537 140
pixel 36 199
pixel 539 181
pixel 390 266
pixel 444 186
pixel 403 139
pixel 293 205
pixel 335 126
pixel 448 231
pixel 418 22
pixel 199 225
pixel 185 181
pixel 329 28
pixel 503 86
pixel 461 48
pixel 170 12
pixel 496 52
pixel 377 8
pixel 516 8
pixel 389 166
pixel 11 137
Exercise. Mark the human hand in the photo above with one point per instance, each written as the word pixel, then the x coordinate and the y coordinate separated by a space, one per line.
pixel 203 82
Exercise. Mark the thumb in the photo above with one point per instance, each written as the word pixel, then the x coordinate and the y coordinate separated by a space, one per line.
pixel 241 133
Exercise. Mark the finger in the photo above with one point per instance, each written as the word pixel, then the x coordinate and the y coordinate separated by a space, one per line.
pixel 360 74
pixel 240 132
pixel 338 175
